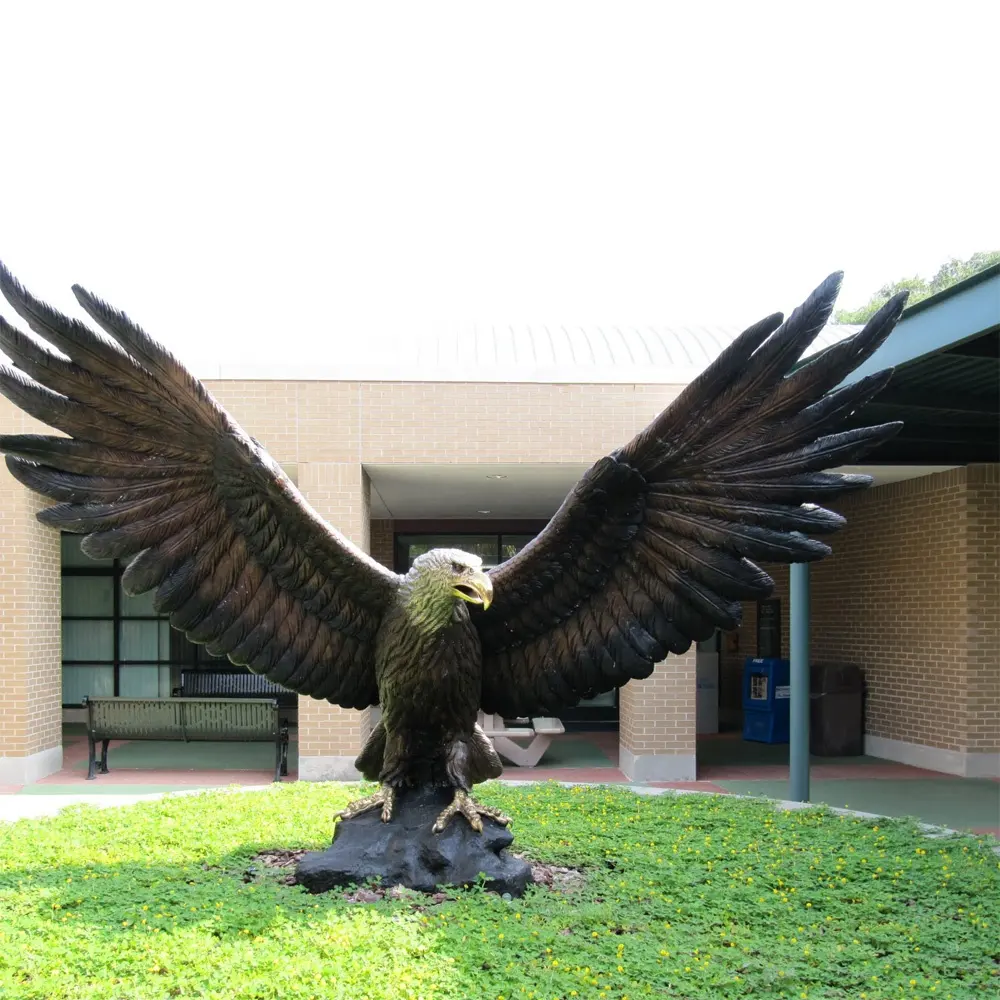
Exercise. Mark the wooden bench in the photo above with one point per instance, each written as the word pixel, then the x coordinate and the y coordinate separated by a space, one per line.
pixel 232 684
pixel 538 732
pixel 249 720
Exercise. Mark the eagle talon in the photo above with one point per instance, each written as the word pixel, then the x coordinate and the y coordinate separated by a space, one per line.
pixel 384 797
pixel 464 803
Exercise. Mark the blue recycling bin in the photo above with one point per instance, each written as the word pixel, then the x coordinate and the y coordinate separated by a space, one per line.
pixel 765 700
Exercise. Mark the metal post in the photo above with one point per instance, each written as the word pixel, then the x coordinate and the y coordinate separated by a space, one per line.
pixel 798 738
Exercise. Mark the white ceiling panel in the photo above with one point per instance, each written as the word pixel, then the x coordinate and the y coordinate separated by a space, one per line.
pixel 525 491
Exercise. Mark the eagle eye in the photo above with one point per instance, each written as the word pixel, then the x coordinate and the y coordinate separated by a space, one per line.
pixel 457 567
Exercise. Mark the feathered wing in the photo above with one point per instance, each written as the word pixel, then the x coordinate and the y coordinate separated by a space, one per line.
pixel 655 546
pixel 154 471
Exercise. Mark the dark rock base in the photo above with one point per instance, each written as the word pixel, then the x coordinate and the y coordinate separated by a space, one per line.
pixel 405 852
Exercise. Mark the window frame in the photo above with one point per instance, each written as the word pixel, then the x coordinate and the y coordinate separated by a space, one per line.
pixel 114 570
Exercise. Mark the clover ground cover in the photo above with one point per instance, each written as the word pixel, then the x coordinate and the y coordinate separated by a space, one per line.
pixel 677 896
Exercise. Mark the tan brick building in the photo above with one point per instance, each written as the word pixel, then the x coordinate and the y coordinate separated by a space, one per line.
pixel 911 594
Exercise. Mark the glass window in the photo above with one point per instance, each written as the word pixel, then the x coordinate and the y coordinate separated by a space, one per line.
pixel 73 556
pixel 88 596
pixel 144 640
pixel 510 545
pixel 114 644
pixel 92 641
pixel 140 681
pixel 606 700
pixel 408 547
pixel 137 607
pixel 492 549
pixel 80 682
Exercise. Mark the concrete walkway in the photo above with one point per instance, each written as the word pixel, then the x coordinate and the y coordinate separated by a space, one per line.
pixel 726 765
pixel 15 807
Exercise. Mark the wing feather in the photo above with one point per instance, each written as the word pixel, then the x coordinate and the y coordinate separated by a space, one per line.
pixel 655 547
pixel 153 471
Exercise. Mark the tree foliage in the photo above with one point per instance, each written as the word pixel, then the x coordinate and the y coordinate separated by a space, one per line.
pixel 948 274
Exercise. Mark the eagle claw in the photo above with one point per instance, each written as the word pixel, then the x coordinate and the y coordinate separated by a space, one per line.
pixel 384 797
pixel 464 803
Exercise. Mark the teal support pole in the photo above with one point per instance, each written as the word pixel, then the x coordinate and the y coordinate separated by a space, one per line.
pixel 798 728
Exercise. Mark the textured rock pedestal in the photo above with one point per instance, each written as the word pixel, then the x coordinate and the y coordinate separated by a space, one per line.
pixel 406 852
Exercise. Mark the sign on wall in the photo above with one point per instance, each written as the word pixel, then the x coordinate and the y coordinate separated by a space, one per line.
pixel 769 629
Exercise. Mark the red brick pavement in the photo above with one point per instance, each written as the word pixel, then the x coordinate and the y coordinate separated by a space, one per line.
pixel 75 751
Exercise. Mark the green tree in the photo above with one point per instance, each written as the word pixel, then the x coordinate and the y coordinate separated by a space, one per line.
pixel 948 274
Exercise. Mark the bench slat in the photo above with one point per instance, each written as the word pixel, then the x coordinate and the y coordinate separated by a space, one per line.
pixel 548 727
pixel 230 684
pixel 520 734
pixel 203 719
pixel 189 719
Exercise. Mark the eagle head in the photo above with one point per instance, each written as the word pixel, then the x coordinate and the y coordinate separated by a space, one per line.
pixel 438 580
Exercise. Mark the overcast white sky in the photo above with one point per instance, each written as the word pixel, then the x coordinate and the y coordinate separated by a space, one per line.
pixel 285 179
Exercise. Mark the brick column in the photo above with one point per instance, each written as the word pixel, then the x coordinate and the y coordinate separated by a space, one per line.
pixel 382 543
pixel 982 739
pixel 30 639
pixel 656 732
pixel 331 737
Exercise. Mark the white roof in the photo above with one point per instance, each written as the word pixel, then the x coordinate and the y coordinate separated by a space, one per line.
pixel 500 353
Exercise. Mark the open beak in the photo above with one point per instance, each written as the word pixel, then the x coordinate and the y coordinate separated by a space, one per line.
pixel 476 589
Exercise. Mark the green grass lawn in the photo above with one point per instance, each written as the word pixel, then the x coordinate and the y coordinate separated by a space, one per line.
pixel 680 896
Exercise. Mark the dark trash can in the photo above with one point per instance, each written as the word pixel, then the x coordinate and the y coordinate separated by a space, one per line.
pixel 836 710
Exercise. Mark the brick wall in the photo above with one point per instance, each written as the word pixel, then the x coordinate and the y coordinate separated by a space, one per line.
pixel 983 576
pixel 912 595
pixel 382 542
pixel 30 626
pixel 30 614
pixel 894 600
pixel 657 722
pixel 446 422
pixel 339 492
pixel 657 714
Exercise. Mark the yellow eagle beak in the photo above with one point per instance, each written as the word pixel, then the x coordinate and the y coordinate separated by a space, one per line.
pixel 477 589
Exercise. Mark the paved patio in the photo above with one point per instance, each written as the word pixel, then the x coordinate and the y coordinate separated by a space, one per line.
pixel 726 764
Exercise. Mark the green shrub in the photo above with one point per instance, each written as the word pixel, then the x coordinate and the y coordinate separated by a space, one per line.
pixel 681 896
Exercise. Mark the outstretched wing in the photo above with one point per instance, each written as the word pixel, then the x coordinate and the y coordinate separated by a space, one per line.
pixel 652 549
pixel 154 471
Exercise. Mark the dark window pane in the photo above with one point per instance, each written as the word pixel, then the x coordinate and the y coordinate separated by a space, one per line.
pixel 144 640
pixel 141 606
pixel 510 545
pixel 73 556
pixel 88 640
pixel 143 681
pixel 411 546
pixel 81 682
pixel 89 596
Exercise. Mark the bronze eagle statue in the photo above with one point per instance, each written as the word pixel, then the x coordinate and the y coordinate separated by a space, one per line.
pixel 655 547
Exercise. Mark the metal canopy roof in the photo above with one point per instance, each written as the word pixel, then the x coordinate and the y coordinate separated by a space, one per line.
pixel 946 386
pixel 516 353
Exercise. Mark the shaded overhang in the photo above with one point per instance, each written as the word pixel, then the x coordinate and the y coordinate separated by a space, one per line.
pixel 507 492
pixel 946 383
